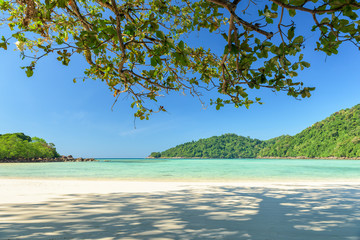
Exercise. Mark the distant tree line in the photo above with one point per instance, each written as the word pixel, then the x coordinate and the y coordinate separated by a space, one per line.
pixel 21 146
pixel 225 146
pixel 335 136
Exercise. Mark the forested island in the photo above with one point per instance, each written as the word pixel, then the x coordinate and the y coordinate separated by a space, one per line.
pixel 18 147
pixel 337 136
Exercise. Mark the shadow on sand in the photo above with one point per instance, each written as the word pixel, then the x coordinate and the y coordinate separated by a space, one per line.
pixel 198 213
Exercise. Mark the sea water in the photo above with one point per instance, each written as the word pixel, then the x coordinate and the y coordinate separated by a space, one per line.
pixel 189 170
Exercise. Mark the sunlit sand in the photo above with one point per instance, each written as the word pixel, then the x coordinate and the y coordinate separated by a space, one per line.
pixel 87 209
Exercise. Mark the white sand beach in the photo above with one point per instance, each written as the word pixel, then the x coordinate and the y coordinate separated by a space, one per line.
pixel 89 209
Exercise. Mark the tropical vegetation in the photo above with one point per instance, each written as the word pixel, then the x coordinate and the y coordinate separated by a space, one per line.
pixel 145 48
pixel 225 146
pixel 21 146
pixel 336 136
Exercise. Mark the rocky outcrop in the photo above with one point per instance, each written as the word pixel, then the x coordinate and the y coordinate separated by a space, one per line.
pixel 57 159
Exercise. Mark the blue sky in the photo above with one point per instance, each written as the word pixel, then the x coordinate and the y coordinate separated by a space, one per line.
pixel 79 120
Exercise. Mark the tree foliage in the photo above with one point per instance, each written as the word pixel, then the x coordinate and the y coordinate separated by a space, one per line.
pixel 155 155
pixel 224 146
pixel 21 146
pixel 335 136
pixel 142 48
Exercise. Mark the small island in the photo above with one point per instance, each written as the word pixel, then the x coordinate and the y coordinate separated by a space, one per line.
pixel 18 147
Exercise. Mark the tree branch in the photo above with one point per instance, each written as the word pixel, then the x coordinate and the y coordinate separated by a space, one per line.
pixel 316 10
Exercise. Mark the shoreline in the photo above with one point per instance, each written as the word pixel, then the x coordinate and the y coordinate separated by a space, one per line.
pixel 284 158
pixel 70 159
pixel 42 160
pixel 196 181
pixel 23 190
pixel 238 182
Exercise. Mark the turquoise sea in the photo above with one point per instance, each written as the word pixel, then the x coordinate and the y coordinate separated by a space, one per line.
pixel 189 169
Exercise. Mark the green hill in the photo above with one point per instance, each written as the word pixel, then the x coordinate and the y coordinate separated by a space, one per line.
pixel 225 146
pixel 335 136
pixel 21 146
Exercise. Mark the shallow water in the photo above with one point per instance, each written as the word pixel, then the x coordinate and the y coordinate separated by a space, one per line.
pixel 189 169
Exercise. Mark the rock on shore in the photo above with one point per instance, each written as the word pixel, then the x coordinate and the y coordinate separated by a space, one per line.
pixel 57 159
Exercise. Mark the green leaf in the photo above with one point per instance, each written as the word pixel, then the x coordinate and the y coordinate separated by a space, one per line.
pixel 291 33
pixel 3 44
pixel 181 45
pixel 61 3
pixel 170 41
pixel 297 2
pixel 242 92
pixel 267 44
pixel 160 34
pixel 269 20
pixel 155 60
pixel 305 64
pixel 234 49
pixel 349 12
pixel 274 7
pixel 29 71
pixel 325 20
pixel 263 79
pixel 226 49
pixel 295 66
pixel 292 12
pixel 301 57
pixel 299 39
